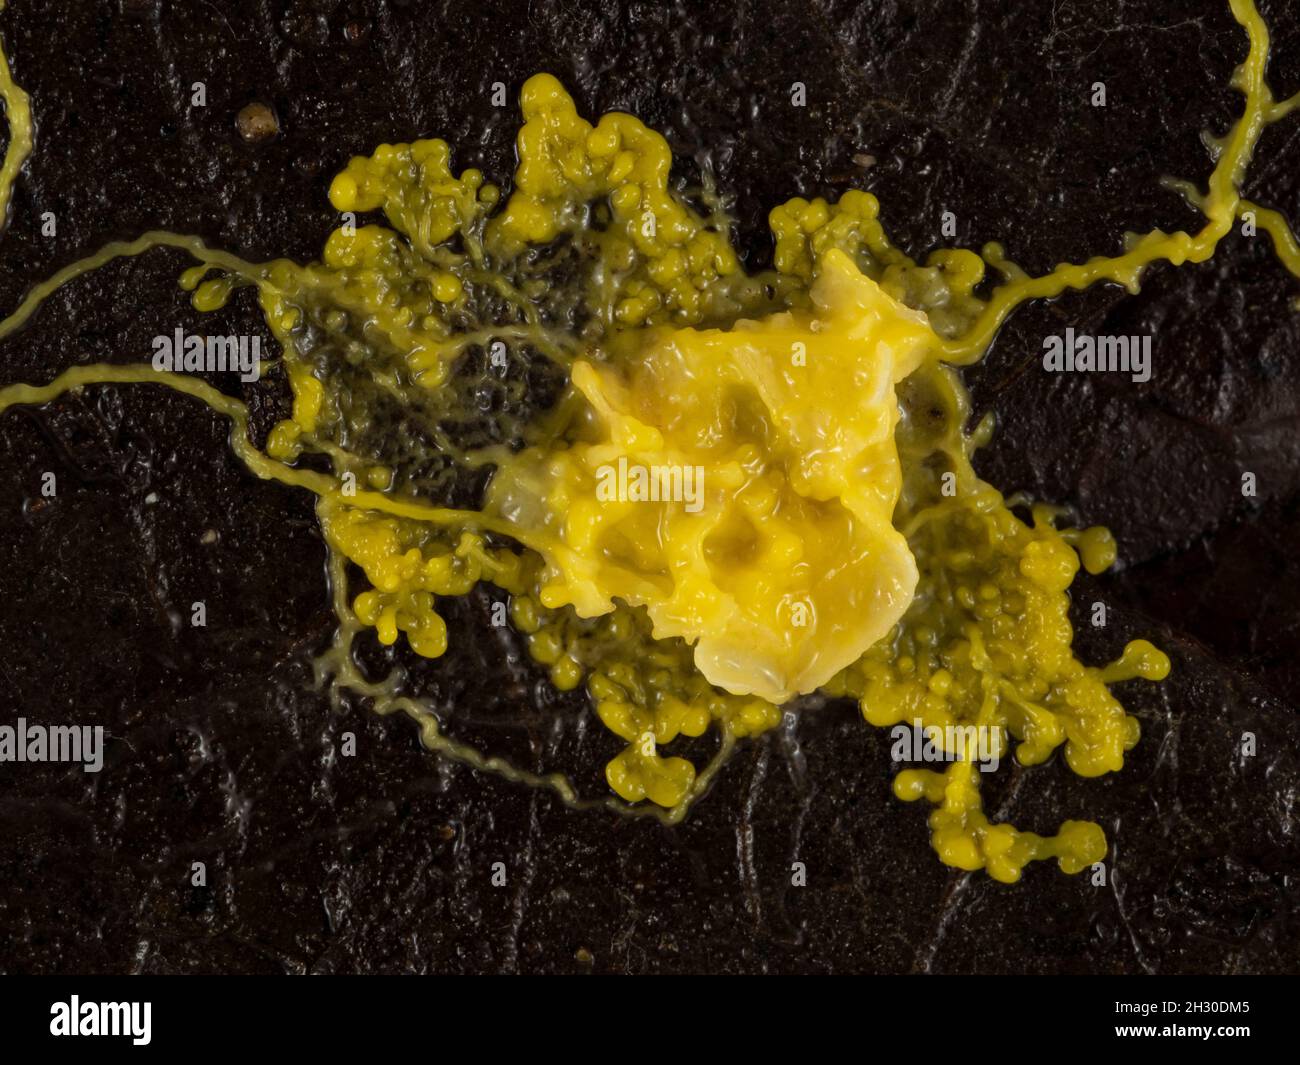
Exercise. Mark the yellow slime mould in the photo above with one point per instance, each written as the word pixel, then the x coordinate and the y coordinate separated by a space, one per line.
pixel 706 491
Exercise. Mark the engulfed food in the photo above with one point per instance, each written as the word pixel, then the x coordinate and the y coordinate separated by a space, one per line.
pixel 776 558
pixel 709 492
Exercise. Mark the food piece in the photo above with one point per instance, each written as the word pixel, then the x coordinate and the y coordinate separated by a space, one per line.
pixel 772 549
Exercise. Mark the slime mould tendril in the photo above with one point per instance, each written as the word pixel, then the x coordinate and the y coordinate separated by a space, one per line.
pixel 600 314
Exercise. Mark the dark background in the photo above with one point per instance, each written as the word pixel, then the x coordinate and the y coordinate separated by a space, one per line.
pixel 220 752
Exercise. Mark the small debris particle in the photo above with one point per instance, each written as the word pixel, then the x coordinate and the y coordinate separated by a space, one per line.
pixel 257 123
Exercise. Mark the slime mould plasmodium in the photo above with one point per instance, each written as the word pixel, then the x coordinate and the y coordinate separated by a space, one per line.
pixel 794 507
